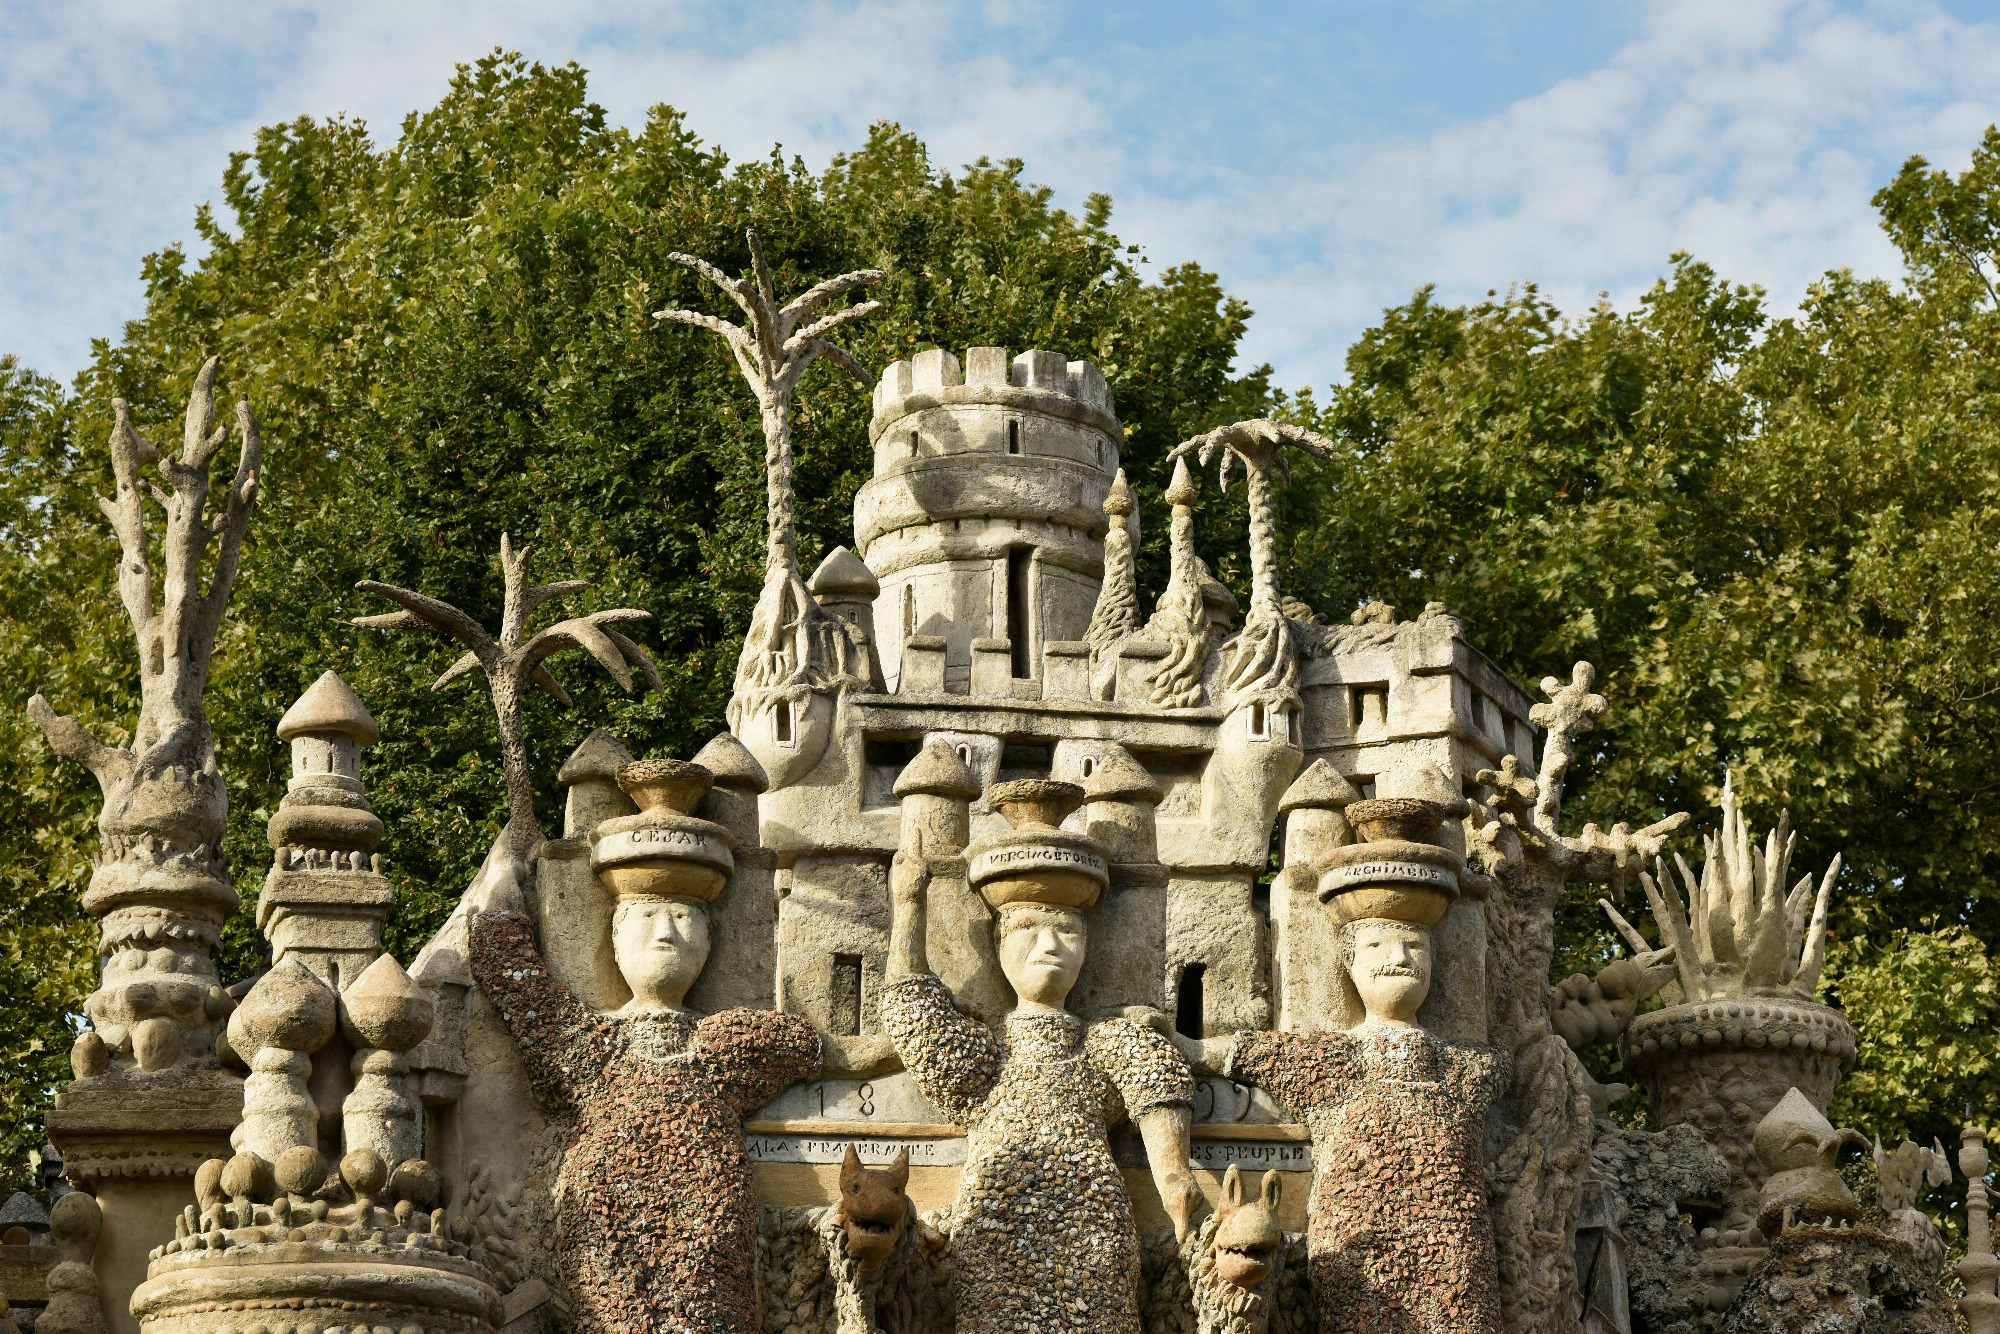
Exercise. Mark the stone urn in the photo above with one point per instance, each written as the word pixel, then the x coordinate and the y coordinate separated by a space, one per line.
pixel 1394 872
pixel 1723 1062
pixel 663 851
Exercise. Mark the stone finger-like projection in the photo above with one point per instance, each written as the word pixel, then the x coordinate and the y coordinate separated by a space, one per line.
pixel 1042 1233
pixel 1400 1239
pixel 656 1211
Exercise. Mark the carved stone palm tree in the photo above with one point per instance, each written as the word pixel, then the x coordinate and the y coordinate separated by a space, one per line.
pixel 513 661
pixel 1264 659
pixel 793 642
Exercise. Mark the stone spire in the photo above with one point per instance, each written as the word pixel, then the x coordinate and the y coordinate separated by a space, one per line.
pixel 1181 620
pixel 1116 615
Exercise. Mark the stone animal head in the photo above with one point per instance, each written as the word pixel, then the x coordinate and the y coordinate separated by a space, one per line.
pixel 1390 967
pixel 661 945
pixel 1041 950
pixel 1247 1236
pixel 874 1208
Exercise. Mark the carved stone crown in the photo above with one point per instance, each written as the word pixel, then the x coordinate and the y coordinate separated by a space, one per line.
pixel 663 851
pixel 1035 861
pixel 1393 874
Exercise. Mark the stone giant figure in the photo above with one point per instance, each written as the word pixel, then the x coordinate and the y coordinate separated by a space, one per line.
pixel 1042 1233
pixel 1399 1240
pixel 656 1211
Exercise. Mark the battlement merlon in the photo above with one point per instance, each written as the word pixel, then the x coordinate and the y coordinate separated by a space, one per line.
pixel 1034 381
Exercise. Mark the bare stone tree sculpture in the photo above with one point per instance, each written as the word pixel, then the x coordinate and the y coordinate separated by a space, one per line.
pixel 793 642
pixel 1265 659
pixel 161 881
pixel 513 661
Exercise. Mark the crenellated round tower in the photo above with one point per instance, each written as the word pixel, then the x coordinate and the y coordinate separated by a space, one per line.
pixel 985 517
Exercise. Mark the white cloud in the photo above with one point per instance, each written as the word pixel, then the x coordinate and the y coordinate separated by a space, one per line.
pixel 1751 134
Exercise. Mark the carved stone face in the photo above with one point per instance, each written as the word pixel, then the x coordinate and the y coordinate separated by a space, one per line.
pixel 660 946
pixel 1391 968
pixel 1041 951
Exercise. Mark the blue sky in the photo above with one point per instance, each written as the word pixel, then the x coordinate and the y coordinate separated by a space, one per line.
pixel 1324 158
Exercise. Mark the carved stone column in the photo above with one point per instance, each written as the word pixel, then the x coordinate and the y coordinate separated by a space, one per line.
pixel 149 1102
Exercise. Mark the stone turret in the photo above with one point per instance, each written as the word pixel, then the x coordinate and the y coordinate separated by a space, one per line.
pixel 326 899
pixel 985 518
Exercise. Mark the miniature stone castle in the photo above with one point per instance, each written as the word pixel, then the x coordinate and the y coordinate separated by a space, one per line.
pixel 951 987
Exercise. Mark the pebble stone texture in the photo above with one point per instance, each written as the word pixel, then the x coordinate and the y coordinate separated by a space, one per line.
pixel 1041 1234
pixel 656 1212
pixel 1399 1240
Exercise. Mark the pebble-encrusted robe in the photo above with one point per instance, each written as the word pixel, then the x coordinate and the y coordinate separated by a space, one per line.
pixel 656 1215
pixel 1399 1240
pixel 1041 1234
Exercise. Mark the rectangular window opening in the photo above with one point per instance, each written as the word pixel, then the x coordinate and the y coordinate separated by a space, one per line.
pixel 1188 1006
pixel 1013 437
pixel 909 610
pixel 1478 711
pixel 916 442
pixel 845 1004
pixel 1365 785
pixel 781 723
pixel 1260 723
pixel 1020 560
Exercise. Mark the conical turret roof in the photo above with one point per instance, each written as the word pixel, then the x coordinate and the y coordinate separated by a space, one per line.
pixel 937 771
pixel 1119 777
pixel 599 755
pixel 843 575
pixel 732 763
pixel 1319 788
pixel 329 707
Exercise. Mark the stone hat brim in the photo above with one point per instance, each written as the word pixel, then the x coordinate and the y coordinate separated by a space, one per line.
pixel 1049 889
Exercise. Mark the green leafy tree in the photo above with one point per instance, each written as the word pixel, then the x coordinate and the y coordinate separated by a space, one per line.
pixel 450 336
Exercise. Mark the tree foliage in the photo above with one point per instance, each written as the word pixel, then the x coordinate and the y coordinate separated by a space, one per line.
pixel 1779 540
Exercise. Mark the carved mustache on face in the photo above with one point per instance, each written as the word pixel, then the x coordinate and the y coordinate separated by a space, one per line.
pixel 1394 970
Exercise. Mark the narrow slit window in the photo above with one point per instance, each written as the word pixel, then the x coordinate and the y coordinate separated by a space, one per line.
pixel 1089 766
pixel 916 443
pixel 964 755
pixel 1020 560
pixel 909 610
pixel 1292 731
pixel 1368 706
pixel 1478 711
pixel 1013 436
pixel 846 998
pixel 1260 723
pixel 781 723
pixel 1188 1002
